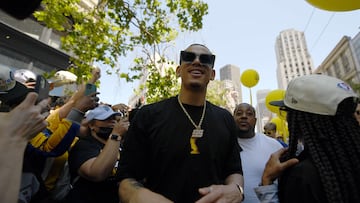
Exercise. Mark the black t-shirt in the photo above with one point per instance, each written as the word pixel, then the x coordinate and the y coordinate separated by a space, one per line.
pixel 157 149
pixel 85 190
pixel 301 183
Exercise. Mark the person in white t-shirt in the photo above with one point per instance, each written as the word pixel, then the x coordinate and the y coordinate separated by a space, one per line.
pixel 256 149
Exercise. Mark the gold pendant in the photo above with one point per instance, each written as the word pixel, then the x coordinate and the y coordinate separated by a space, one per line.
pixel 197 133
pixel 194 147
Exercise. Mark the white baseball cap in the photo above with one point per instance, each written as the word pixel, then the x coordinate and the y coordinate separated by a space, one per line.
pixel 102 112
pixel 11 91
pixel 318 94
pixel 63 77
pixel 24 76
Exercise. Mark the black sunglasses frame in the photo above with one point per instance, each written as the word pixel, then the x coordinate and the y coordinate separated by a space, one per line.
pixel 205 59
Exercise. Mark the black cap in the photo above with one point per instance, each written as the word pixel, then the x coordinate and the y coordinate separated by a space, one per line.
pixel 14 96
pixel 19 9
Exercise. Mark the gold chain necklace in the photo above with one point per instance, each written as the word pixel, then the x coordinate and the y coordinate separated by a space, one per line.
pixel 197 132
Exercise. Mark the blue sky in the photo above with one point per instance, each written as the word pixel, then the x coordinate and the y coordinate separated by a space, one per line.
pixel 243 33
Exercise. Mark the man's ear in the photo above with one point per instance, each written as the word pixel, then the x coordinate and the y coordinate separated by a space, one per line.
pixel 212 77
pixel 178 71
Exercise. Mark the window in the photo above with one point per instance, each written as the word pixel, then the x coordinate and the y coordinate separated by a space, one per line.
pixel 345 62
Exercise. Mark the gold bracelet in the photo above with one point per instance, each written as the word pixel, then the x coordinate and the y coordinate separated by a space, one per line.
pixel 241 190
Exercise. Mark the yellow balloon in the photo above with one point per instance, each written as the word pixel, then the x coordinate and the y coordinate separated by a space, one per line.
pixel 249 78
pixel 281 127
pixel 336 5
pixel 274 95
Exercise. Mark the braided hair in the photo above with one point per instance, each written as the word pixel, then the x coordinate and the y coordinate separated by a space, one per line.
pixel 333 144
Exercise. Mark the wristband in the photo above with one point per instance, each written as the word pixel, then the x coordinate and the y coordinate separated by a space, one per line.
pixel 115 137
pixel 241 190
pixel 75 116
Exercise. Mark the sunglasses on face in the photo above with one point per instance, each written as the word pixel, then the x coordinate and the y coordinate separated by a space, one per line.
pixel 267 133
pixel 357 112
pixel 205 59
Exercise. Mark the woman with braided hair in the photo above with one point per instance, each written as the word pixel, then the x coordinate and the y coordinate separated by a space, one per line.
pixel 319 113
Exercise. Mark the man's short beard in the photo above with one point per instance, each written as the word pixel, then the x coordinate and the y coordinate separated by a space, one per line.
pixel 244 133
pixel 195 86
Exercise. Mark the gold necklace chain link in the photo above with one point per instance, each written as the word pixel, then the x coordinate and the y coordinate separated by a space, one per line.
pixel 187 114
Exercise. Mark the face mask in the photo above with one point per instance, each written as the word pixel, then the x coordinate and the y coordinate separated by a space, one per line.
pixel 104 132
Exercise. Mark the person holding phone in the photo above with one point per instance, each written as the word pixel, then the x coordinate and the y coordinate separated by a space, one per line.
pixel 93 161
pixel 17 127
pixel 54 141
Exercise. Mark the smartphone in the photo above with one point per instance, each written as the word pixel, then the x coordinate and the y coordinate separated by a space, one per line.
pixel 42 87
pixel 90 88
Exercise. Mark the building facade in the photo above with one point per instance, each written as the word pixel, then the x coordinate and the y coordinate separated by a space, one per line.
pixel 293 58
pixel 343 60
pixel 25 44
pixel 262 112
pixel 230 75
pixel 28 44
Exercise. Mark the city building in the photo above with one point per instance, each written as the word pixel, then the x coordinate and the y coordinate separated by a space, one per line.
pixel 356 47
pixel 231 95
pixel 25 44
pixel 262 113
pixel 343 61
pixel 28 44
pixel 230 75
pixel 293 58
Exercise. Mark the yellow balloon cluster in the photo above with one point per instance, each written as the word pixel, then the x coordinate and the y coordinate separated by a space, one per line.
pixel 280 119
pixel 249 78
pixel 336 5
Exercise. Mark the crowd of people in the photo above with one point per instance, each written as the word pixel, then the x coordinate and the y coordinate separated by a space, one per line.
pixel 182 149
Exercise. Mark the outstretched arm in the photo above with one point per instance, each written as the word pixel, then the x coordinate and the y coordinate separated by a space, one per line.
pixel 132 191
pixel 17 127
pixel 274 168
pixel 268 192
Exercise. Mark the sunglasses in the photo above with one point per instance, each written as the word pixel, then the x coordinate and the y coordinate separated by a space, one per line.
pixel 357 112
pixel 205 59
pixel 267 133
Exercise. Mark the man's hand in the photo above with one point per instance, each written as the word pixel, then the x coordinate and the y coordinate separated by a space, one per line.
pixel 96 74
pixel 121 127
pixel 87 102
pixel 26 120
pixel 274 167
pixel 84 102
pixel 121 107
pixel 220 193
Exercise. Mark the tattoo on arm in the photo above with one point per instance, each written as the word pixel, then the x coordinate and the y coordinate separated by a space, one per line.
pixel 135 183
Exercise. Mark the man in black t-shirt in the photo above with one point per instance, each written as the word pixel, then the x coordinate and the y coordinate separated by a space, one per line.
pixel 183 149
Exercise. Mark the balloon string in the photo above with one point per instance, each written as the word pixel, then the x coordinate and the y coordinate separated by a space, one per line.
pixel 250 97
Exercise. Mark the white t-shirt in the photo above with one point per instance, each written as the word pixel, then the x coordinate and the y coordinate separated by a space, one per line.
pixel 255 153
